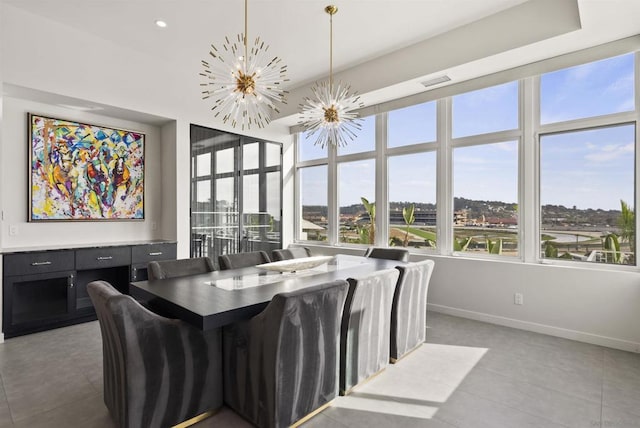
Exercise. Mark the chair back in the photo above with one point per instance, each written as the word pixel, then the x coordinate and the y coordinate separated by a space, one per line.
pixel 399 254
pixel 240 260
pixel 409 310
pixel 283 363
pixel 157 371
pixel 290 253
pixel 174 268
pixel 366 325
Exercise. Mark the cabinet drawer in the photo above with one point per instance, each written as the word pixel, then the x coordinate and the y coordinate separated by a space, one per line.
pixel 151 252
pixel 96 258
pixel 38 262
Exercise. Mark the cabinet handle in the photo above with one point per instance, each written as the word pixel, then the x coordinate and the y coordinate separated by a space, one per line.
pixel 104 258
pixel 157 253
pixel 40 263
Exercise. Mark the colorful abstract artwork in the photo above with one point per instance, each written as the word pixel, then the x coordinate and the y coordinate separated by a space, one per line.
pixel 85 172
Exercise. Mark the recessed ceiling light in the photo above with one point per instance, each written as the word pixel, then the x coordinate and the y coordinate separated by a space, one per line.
pixel 160 23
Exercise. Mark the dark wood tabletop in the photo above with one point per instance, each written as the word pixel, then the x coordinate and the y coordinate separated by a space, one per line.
pixel 219 298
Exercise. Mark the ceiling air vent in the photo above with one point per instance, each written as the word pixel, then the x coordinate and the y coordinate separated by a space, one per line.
pixel 435 81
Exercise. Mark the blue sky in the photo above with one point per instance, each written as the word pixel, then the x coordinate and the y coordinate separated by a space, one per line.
pixel 588 169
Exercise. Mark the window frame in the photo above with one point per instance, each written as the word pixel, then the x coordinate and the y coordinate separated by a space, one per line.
pixel 527 136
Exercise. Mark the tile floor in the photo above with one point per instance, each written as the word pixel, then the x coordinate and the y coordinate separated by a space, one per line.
pixel 469 374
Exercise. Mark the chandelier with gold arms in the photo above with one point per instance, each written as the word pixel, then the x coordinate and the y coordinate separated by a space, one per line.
pixel 330 115
pixel 245 84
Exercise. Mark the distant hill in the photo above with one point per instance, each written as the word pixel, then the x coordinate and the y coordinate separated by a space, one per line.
pixel 552 215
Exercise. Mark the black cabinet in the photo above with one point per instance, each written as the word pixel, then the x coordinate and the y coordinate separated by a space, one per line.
pixel 48 289
pixel 143 254
pixel 36 300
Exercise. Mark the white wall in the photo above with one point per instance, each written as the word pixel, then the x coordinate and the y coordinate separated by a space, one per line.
pixel 52 58
pixel 15 178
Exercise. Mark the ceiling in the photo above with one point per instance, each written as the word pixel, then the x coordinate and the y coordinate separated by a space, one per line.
pixel 366 32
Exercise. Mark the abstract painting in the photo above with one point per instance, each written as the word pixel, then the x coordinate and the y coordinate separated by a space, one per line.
pixel 84 172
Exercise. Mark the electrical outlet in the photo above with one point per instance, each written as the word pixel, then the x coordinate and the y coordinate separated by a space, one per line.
pixel 518 299
pixel 13 230
pixel 154 225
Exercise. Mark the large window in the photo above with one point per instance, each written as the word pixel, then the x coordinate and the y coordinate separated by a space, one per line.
pixel 486 110
pixel 588 90
pixel 412 125
pixel 356 188
pixel 365 139
pixel 542 169
pixel 587 193
pixel 307 150
pixel 486 199
pixel 313 197
pixel 412 200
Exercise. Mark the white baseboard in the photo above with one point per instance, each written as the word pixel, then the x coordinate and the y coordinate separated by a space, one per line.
pixel 580 336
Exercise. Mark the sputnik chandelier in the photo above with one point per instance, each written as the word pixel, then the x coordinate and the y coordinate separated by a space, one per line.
pixel 245 84
pixel 330 115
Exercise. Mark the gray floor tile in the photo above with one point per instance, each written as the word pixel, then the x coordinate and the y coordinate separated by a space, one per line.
pixel 322 421
pixel 5 415
pixel 465 410
pixel 614 418
pixel 89 412
pixel 622 366
pixel 45 388
pixel 378 419
pixel 576 381
pixel 622 396
pixel 533 399
pixel 225 417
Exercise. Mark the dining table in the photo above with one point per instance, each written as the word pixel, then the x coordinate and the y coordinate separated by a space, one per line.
pixel 215 299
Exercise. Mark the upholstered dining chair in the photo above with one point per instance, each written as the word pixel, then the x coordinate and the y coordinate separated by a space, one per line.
pixel 182 267
pixel 158 372
pixel 290 253
pixel 399 254
pixel 282 364
pixel 409 309
pixel 366 326
pixel 240 260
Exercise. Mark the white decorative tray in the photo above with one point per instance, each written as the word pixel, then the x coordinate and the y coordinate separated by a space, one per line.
pixel 295 265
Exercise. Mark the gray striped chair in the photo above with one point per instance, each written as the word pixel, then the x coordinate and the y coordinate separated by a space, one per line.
pixel 366 326
pixel 409 310
pixel 183 267
pixel 290 253
pixel 282 365
pixel 240 260
pixel 158 372
pixel 399 254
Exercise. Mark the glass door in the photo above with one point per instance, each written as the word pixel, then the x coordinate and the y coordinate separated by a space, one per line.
pixel 261 195
pixel 236 193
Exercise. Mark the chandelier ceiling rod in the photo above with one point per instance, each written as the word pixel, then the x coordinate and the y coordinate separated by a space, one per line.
pixel 331 10
pixel 246 33
pixel 330 116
